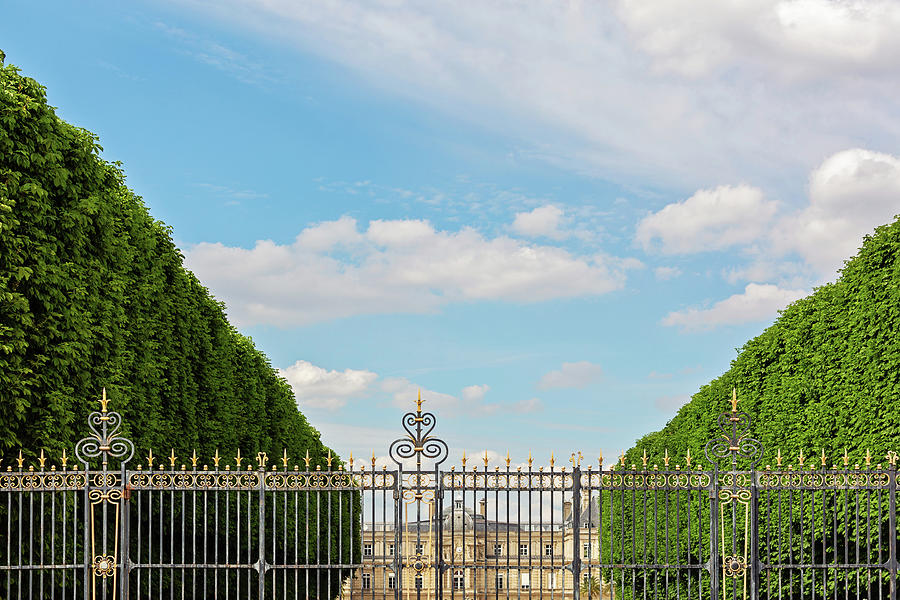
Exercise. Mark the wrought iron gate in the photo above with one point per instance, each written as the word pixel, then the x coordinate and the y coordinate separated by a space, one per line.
pixel 411 529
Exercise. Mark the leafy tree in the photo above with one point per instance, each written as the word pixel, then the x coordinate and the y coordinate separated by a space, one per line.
pixel 94 294
pixel 823 380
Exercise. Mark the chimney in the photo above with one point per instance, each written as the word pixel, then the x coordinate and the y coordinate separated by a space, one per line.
pixel 567 510
pixel 482 508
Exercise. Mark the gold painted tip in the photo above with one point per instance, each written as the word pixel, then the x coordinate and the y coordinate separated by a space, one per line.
pixel 172 457
pixel 507 458
pixel 284 458
pixel 778 458
pixel 238 458
pixel 64 458
pixel 600 460
pixel 20 460
pixel 485 459
pixel 622 458
pixel 194 458
pixel 103 401
pixel 801 457
pixel 868 457
pixel 846 458
pixel 644 457
pixel 666 458
pixel 419 401
pixel 216 458
pixel 688 458
pixel 822 457
pixel 41 459
pixel 150 458
pixel 734 399
pixel 530 460
pixel 329 459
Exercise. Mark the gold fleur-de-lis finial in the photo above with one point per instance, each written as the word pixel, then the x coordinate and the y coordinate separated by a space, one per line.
pixel 822 457
pixel 329 458
pixel 530 460
pixel 666 458
pixel 846 457
pixel 733 399
pixel 644 458
pixel 103 401
pixel 600 460
pixel 801 458
pixel 216 458
pixel 306 459
pixel 688 457
pixel 419 402
pixel 778 458
pixel 351 459
pixel 42 460
pixel 891 457
pixel 464 460
pixel 622 458
pixel 373 460
pixel 261 459
pixel 572 460
pixel 172 458
pixel 507 459
pixel 868 457
pixel 284 459
pixel 20 459
pixel 64 459
pixel 194 459
pixel 485 459
pixel 150 459
pixel 552 460
pixel 238 458
pixel 580 457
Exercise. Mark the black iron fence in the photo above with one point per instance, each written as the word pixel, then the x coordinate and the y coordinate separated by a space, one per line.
pixel 265 528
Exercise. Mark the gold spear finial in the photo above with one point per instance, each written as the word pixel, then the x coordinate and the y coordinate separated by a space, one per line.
pixel 172 458
pixel 552 460
pixel 419 401
pixel 238 458
pixel 373 460
pixel 485 459
pixel 622 458
pixel 194 459
pixel 822 457
pixel 20 459
pixel 600 460
pixel 284 459
pixel 329 459
pixel 644 458
pixel 351 459
pixel 103 401
pixel 778 458
pixel 41 459
pixel 801 457
pixel 306 459
pixel 150 459
pixel 64 458
pixel 529 459
pixel 216 458
pixel 688 457
pixel 464 459
pixel 868 457
pixel 846 457
pixel 733 399
pixel 666 458
pixel 507 459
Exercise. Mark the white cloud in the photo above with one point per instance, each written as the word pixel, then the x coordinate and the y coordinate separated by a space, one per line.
pixel 542 221
pixel 393 267
pixel 758 302
pixel 850 194
pixel 666 273
pixel 315 387
pixel 474 393
pixel 616 93
pixel 572 375
pixel 709 220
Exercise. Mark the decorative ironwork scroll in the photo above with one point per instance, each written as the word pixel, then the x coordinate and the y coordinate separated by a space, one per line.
pixel 733 443
pixel 419 442
pixel 106 494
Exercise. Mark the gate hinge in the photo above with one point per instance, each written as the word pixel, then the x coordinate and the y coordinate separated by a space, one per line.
pixel 126 493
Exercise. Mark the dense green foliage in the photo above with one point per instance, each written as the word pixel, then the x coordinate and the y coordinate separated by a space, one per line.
pixel 824 376
pixel 823 379
pixel 93 294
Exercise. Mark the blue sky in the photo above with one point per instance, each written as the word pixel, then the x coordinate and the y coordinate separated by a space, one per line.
pixel 558 220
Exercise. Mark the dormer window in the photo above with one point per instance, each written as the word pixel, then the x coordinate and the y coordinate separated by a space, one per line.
pixel 457 504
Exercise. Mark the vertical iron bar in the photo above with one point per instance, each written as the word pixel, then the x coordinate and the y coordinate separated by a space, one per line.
pixel 261 547
pixel 712 564
pixel 892 526
pixel 754 560
pixel 576 532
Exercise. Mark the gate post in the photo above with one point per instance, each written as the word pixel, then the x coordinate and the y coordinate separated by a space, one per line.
pixel 576 531
pixel 753 559
pixel 892 521
pixel 713 564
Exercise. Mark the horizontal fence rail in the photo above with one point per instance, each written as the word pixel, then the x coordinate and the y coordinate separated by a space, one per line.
pixel 261 527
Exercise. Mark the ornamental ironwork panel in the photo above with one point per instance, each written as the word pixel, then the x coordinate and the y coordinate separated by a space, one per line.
pixel 407 527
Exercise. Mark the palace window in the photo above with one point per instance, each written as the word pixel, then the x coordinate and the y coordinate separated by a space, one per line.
pixel 367 549
pixel 459 580
pixel 523 549
pixel 419 582
pixel 366 581
pixel 392 581
pixel 498 549
pixel 548 549
pixel 420 548
pixel 390 550
pixel 586 550
pixel 458 504
pixel 499 583
pixel 525 580
pixel 551 580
